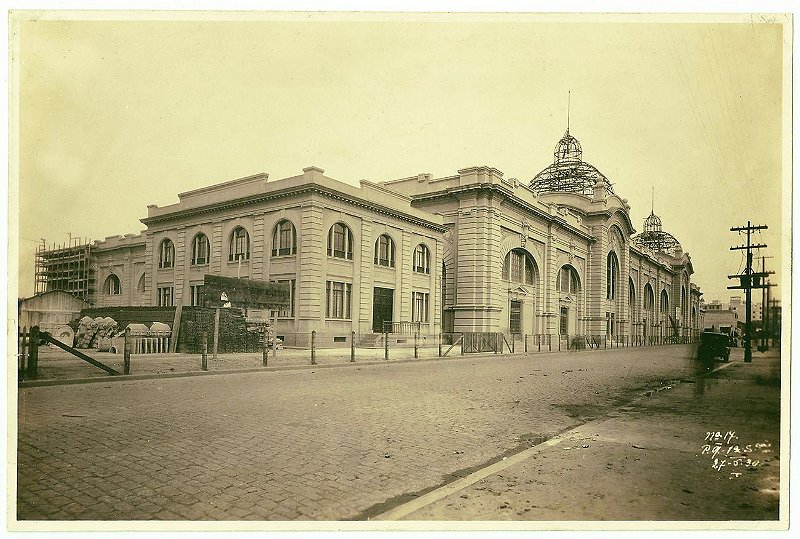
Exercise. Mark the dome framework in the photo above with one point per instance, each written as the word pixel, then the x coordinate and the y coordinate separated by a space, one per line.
pixel 569 173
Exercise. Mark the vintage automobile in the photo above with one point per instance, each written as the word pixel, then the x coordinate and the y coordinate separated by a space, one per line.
pixel 713 345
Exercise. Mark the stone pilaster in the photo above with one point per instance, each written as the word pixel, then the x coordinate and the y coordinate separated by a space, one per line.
pixel 311 283
pixel 261 248
pixel 365 282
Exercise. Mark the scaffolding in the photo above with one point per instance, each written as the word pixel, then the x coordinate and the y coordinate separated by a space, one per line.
pixel 569 173
pixel 656 239
pixel 65 267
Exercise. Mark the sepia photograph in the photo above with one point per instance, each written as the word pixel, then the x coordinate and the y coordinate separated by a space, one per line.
pixel 409 270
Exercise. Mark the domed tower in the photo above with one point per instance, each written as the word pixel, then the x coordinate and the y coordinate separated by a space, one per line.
pixel 569 173
pixel 656 239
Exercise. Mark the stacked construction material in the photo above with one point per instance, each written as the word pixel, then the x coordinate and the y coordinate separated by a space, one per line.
pixel 91 330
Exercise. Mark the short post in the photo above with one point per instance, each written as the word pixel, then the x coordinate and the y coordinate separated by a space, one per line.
pixel 352 347
pixel 313 346
pixel 274 334
pixel 126 352
pixel 33 354
pixel 498 343
pixel 440 345
pixel 265 347
pixel 416 344
pixel 216 332
pixel 550 342
pixel 513 343
pixel 559 342
pixel 463 338
pixel 204 357
pixel 539 342
pixel 526 344
pixel 385 345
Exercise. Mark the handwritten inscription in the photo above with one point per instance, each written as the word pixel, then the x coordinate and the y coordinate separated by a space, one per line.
pixel 727 453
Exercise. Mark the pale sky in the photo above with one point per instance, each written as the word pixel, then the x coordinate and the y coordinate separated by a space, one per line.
pixel 116 115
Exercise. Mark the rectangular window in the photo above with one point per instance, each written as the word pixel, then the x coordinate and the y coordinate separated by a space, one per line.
pixel 515 318
pixel 165 296
pixel 289 311
pixel 562 324
pixel 419 303
pixel 338 297
pixel 197 295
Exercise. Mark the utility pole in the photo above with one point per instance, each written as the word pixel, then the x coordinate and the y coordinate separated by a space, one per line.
pixel 764 313
pixel 747 282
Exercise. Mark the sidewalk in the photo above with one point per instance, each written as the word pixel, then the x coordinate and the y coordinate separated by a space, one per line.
pixel 651 460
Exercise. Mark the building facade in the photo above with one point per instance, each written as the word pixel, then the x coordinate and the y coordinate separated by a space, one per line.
pixel 470 252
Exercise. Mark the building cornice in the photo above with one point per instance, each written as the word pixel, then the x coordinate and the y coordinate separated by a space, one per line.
pixel 512 198
pixel 291 192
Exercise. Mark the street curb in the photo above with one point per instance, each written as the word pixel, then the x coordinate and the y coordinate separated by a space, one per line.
pixel 251 370
pixel 492 468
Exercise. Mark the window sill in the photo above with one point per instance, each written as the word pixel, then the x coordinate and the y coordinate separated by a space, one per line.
pixel 203 265
pixel 236 262
pixel 278 257
pixel 338 319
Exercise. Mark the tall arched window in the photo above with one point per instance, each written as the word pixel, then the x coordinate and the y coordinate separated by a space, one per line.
pixel 664 304
pixel 684 303
pixel 239 245
pixel 111 286
pixel 568 282
pixel 612 275
pixel 140 284
pixel 384 251
pixel 340 242
pixel 519 267
pixel 649 298
pixel 200 250
pixel 631 293
pixel 284 239
pixel 166 254
pixel 422 259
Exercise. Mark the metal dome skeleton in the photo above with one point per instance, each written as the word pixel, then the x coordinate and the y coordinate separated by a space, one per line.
pixel 656 239
pixel 569 173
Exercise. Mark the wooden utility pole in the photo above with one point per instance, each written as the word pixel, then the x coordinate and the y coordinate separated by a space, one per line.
pixel 747 282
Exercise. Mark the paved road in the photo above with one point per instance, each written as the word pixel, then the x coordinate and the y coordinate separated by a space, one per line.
pixel 326 444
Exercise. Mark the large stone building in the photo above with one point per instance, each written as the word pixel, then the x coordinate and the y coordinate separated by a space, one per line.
pixel 473 251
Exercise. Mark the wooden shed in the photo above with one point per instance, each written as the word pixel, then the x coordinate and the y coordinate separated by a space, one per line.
pixel 50 309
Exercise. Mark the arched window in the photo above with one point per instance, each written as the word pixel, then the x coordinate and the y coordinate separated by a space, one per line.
pixel 166 254
pixel 649 297
pixel 200 250
pixel 612 275
pixel 631 293
pixel 284 239
pixel 384 251
pixel 340 242
pixel 111 286
pixel 239 245
pixel 519 267
pixel 140 284
pixel 684 303
pixel 422 259
pixel 568 282
pixel 664 302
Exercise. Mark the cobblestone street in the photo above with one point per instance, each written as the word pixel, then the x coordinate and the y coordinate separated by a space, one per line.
pixel 324 444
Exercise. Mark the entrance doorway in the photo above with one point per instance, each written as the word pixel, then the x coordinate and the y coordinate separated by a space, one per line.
pixel 382 307
pixel 563 322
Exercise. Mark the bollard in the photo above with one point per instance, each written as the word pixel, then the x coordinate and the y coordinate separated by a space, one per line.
pixel 313 346
pixel 513 343
pixel 352 347
pixel 559 342
pixel 126 352
pixel 440 345
pixel 526 344
pixel 33 354
pixel 204 358
pixel 265 348
pixel 416 353
pixel 539 342
pixel 385 345
pixel 550 342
